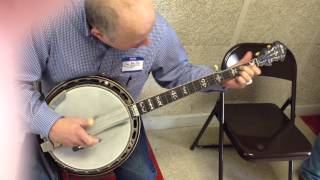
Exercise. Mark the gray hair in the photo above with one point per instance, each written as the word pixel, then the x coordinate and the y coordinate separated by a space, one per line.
pixel 102 16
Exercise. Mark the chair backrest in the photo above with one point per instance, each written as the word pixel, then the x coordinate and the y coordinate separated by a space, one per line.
pixel 284 70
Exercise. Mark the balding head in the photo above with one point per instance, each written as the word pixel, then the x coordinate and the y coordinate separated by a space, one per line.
pixel 122 24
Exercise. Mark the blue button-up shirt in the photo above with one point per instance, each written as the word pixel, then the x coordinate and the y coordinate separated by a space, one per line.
pixel 64 49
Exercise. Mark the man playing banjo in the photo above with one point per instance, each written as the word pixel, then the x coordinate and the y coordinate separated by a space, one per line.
pixel 124 40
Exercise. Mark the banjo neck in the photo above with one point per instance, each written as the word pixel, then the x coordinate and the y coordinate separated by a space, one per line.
pixel 179 92
pixel 273 53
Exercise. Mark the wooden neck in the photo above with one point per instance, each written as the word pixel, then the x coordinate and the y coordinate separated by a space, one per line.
pixel 152 103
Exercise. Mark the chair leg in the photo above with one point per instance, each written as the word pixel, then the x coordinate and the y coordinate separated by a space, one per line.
pixel 221 134
pixel 204 127
pixel 290 170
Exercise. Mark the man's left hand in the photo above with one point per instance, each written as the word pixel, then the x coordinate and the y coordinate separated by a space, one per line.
pixel 248 72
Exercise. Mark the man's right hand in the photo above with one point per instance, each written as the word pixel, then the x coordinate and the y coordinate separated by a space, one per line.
pixel 71 132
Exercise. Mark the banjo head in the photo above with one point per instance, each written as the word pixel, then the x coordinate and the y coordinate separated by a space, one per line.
pixel 107 103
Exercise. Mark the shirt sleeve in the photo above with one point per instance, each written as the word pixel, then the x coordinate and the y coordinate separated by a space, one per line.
pixel 35 54
pixel 172 67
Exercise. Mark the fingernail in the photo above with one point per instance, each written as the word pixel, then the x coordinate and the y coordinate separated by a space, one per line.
pixel 97 140
pixel 90 121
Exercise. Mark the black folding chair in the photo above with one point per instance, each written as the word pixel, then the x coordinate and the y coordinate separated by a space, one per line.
pixel 260 131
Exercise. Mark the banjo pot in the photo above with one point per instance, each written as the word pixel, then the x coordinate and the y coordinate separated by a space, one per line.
pixel 109 104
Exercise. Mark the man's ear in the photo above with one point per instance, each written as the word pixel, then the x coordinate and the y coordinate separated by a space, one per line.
pixel 96 33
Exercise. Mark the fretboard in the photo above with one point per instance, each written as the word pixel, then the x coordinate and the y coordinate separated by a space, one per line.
pixel 187 89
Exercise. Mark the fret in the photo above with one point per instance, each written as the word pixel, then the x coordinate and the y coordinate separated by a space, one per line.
pixel 196 85
pixel 211 80
pixel 164 98
pixel 185 90
pixel 142 107
pixel 150 104
pixel 235 72
pixel 218 78
pixel 190 88
pixel 229 73
pixel 174 95
pixel 179 92
pixel 256 61
pixel 154 102
pixel 226 74
pixel 159 101
pixel 168 97
pixel 203 82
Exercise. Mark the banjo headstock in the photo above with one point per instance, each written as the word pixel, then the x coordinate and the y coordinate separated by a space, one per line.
pixel 272 53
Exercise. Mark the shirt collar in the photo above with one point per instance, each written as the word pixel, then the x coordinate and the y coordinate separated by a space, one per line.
pixel 86 25
pixel 80 19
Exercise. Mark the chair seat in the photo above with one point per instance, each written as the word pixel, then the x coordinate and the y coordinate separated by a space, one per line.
pixel 262 131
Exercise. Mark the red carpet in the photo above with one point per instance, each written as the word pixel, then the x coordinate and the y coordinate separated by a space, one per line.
pixel 313 122
pixel 155 163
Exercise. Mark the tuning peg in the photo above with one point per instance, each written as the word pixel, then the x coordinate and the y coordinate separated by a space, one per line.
pixel 257 53
pixel 216 67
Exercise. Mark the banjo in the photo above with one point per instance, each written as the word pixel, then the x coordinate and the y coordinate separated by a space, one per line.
pixel 118 117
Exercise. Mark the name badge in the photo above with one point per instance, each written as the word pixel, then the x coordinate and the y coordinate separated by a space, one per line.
pixel 130 64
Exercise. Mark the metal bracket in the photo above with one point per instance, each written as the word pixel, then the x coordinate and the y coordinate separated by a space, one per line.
pixel 134 110
pixel 47 146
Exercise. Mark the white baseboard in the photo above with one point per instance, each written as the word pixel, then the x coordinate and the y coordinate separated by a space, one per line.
pixel 303 110
pixel 176 121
